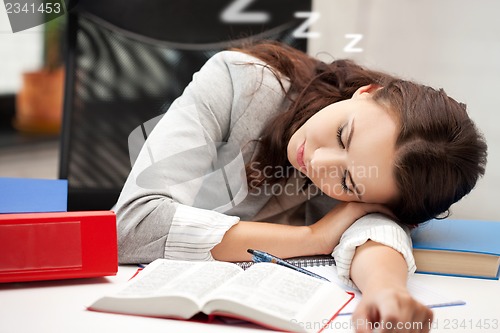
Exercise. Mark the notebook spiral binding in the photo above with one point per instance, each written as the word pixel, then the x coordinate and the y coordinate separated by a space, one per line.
pixel 312 261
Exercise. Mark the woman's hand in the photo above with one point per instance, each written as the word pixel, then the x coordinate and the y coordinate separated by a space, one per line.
pixel 380 272
pixel 330 228
pixel 391 310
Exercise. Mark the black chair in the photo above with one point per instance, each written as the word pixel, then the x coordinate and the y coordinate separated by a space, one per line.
pixel 126 61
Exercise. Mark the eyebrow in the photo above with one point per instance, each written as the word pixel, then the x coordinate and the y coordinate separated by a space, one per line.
pixel 349 139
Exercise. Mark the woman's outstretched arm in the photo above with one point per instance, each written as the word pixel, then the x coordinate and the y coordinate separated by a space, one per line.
pixel 380 272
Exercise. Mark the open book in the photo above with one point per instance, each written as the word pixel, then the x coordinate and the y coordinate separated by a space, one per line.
pixel 267 294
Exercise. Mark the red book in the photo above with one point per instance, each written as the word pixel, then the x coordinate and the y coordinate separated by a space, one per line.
pixel 62 245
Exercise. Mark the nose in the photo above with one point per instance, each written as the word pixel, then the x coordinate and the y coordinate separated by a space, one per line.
pixel 327 158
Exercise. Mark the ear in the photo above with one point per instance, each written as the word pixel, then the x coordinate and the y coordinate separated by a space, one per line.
pixel 368 89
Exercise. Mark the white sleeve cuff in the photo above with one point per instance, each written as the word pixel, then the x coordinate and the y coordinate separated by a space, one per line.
pixel 194 232
pixel 378 228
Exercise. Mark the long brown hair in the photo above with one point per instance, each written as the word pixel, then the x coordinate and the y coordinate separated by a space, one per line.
pixel 440 153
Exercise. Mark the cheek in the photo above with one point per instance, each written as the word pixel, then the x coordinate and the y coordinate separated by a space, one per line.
pixel 289 151
pixel 330 186
pixel 336 192
pixel 324 133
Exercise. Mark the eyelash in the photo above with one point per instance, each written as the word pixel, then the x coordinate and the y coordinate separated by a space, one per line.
pixel 339 136
pixel 343 183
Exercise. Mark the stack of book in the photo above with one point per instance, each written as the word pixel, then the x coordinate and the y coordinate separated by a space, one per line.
pixel 40 240
pixel 465 248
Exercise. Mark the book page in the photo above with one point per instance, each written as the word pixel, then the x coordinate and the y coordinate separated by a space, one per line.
pixel 168 288
pixel 180 278
pixel 152 279
pixel 271 288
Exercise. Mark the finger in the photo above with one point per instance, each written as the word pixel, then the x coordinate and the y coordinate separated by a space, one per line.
pixel 415 317
pixel 390 315
pixel 412 317
pixel 379 208
pixel 386 211
pixel 425 317
pixel 364 317
pixel 390 323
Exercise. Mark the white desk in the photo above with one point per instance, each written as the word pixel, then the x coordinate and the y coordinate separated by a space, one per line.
pixel 60 306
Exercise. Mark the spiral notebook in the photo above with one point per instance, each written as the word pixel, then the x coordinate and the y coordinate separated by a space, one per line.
pixel 304 262
pixel 325 266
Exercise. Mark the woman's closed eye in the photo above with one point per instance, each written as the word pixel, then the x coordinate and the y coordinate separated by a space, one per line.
pixel 340 130
pixel 343 183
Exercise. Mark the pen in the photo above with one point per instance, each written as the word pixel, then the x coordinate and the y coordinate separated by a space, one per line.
pixel 260 256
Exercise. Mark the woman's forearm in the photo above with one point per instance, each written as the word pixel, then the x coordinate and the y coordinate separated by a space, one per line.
pixel 380 272
pixel 281 240
pixel 376 266
pixel 291 241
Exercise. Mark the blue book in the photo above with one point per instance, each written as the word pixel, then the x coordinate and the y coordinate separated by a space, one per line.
pixel 30 195
pixel 466 248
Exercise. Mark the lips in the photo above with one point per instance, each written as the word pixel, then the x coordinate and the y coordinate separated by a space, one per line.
pixel 300 156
